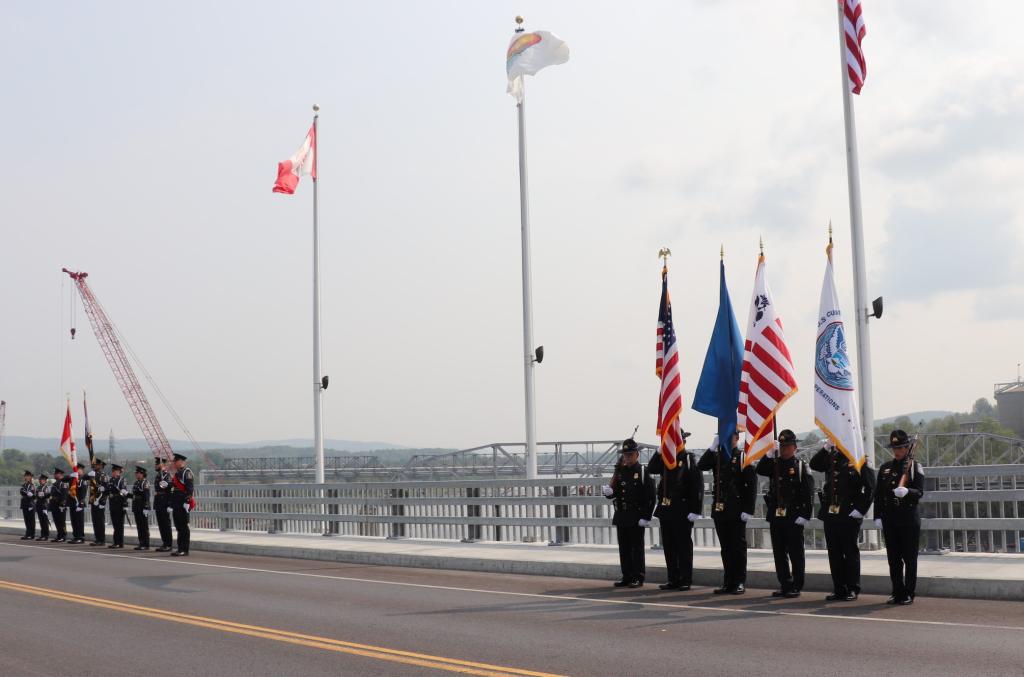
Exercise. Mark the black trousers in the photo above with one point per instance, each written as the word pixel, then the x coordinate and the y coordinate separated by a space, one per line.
pixel 163 522
pixel 30 521
pixel 901 545
pixel 44 524
pixel 59 523
pixel 181 524
pixel 142 526
pixel 677 541
pixel 732 538
pixel 77 523
pixel 631 552
pixel 117 522
pixel 99 524
pixel 788 548
pixel 843 554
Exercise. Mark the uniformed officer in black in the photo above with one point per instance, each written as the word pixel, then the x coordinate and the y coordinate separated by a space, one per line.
pixel 182 503
pixel 58 505
pixel 162 505
pixel 679 498
pixel 788 506
pixel 632 491
pixel 117 494
pixel 845 499
pixel 42 502
pixel 734 499
pixel 98 480
pixel 896 513
pixel 76 506
pixel 28 505
pixel 140 507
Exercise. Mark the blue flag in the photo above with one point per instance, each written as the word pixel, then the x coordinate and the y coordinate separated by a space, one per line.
pixel 718 391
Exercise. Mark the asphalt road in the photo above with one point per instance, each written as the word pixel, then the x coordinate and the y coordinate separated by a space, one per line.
pixel 226 615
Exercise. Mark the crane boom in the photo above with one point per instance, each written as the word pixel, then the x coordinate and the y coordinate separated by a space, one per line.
pixel 106 335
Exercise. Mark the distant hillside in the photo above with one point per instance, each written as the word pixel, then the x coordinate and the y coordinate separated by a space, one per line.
pixel 136 445
pixel 916 417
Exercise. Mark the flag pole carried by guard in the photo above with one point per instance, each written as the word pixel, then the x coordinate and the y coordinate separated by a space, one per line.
pixel 670 398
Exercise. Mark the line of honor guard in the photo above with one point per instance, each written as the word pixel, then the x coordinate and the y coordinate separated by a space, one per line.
pixel 845 498
pixel 173 500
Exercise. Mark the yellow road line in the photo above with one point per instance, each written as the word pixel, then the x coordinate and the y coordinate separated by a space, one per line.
pixel 341 646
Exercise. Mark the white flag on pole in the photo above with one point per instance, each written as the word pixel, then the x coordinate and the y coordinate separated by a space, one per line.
pixel 530 52
pixel 835 404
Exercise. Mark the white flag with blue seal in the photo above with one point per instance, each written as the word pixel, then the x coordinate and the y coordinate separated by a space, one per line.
pixel 835 402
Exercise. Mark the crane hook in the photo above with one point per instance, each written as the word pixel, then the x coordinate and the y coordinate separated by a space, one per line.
pixel 73 333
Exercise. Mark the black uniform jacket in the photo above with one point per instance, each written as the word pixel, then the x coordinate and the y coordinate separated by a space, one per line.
pixel 178 497
pixel 633 494
pixel 42 497
pixel 681 490
pixel 59 495
pixel 28 493
pixel 792 490
pixel 140 496
pixel 898 511
pixel 98 489
pixel 733 487
pixel 843 485
pixel 115 485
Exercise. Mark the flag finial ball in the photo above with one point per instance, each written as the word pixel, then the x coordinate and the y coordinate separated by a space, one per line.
pixel 316 108
pixel 520 19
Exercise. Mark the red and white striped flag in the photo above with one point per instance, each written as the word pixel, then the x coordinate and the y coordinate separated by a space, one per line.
pixel 853 25
pixel 67 450
pixel 666 366
pixel 768 377
pixel 303 163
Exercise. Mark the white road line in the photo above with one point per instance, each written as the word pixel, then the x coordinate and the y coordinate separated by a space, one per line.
pixel 533 595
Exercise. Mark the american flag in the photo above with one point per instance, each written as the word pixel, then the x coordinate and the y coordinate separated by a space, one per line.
pixel 853 25
pixel 670 402
pixel 768 378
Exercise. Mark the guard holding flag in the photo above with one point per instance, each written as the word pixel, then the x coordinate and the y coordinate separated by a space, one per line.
pixel 735 497
pixel 845 499
pixel 900 488
pixel 117 492
pixel 58 504
pixel 77 507
pixel 162 505
pixel 679 503
pixel 28 505
pixel 182 502
pixel 42 500
pixel 140 507
pixel 632 491
pixel 788 506
pixel 98 501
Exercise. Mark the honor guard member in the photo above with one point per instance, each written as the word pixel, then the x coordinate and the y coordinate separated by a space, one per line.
pixel 117 495
pixel 42 502
pixel 182 502
pixel 58 505
pixel 632 491
pixel 679 498
pixel 98 501
pixel 900 488
pixel 76 506
pixel 140 507
pixel 845 499
pixel 28 505
pixel 735 497
pixel 162 504
pixel 788 506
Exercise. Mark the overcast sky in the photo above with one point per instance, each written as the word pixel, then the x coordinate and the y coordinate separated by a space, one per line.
pixel 141 142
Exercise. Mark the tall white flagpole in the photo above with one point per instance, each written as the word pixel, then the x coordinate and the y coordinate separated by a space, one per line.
pixel 528 358
pixel 860 278
pixel 318 426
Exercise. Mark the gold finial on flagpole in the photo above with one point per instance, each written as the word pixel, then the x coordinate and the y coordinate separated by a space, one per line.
pixel 760 244
pixel 519 23
pixel 830 231
pixel 721 252
pixel 663 254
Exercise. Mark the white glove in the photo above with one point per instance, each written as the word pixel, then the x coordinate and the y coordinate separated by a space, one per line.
pixel 91 473
pixel 856 514
pixel 147 513
pixel 607 490
pixel 30 494
pixel 800 521
pixel 900 492
pixel 878 522
pixel 693 517
pixel 187 509
pixel 714 443
pixel 170 510
pixel 644 523
pixel 744 516
pixel 124 492
pixel 79 509
pixel 75 474
pixel 102 489
pixel 163 485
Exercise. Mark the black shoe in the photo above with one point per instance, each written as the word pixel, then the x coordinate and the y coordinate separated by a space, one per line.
pixel 781 592
pixel 636 583
pixel 792 592
pixel 27 538
pixel 668 586
pixel 738 590
pixel 77 541
pixel 838 596
pixel 111 546
pixel 141 547
pixel 54 540
pixel 95 543
pixel 724 590
pixel 893 599
pixel 42 538
pixel 684 587
pixel 905 601
pixel 179 553
pixel 621 584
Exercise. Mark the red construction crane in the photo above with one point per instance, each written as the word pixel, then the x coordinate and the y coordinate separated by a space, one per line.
pixel 106 335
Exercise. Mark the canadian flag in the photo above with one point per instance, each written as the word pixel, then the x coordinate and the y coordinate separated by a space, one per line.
pixel 67 450
pixel 303 163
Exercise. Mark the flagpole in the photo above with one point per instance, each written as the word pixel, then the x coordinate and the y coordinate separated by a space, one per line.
pixel 528 358
pixel 857 245
pixel 318 429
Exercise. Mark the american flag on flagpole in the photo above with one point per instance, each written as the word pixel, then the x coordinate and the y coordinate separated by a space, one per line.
pixel 670 401
pixel 853 24
pixel 768 377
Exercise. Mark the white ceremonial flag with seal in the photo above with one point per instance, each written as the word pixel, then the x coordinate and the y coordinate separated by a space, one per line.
pixel 835 403
pixel 530 52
